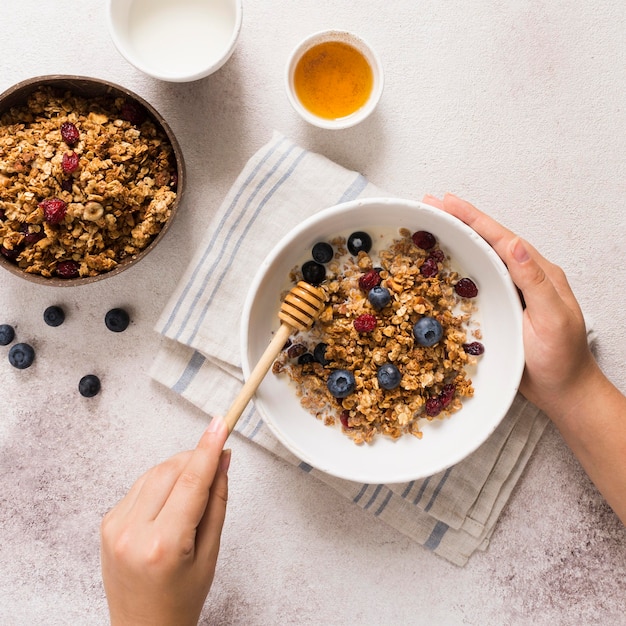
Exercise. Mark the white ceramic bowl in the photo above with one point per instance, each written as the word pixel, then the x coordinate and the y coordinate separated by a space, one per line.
pixel 175 40
pixel 446 441
pixel 372 59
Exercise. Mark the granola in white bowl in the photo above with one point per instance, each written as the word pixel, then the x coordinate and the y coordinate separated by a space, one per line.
pixel 495 314
pixel 367 333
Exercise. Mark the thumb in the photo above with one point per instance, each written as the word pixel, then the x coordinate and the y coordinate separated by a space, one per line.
pixel 531 279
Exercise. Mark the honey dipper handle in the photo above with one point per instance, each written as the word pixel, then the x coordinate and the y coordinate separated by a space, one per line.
pixel 257 375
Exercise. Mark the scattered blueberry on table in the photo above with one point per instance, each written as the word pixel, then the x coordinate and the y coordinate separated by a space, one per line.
pixel 89 386
pixel 7 334
pixel 21 356
pixel 117 320
pixel 54 316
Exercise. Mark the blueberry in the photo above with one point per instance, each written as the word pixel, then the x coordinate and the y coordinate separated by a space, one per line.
pixel 427 331
pixel 322 252
pixel 379 297
pixel 314 273
pixel 359 241
pixel 117 320
pixel 21 355
pixel 306 358
pixel 54 316
pixel 7 334
pixel 389 376
pixel 89 386
pixel 320 353
pixel 341 383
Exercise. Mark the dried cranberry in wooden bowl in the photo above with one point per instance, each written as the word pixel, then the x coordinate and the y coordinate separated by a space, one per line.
pixel 91 177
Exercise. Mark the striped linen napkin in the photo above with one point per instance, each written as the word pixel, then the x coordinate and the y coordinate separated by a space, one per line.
pixel 452 513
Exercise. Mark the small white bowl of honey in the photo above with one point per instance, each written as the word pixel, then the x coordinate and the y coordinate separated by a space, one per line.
pixel 334 79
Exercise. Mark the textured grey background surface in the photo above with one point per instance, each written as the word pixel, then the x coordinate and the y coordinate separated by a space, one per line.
pixel 518 106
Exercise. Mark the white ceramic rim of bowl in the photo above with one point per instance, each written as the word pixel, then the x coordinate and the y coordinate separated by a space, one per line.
pixel 115 12
pixel 445 442
pixel 362 46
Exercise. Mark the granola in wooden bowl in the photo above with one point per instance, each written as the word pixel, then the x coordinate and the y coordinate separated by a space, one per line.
pixel 90 179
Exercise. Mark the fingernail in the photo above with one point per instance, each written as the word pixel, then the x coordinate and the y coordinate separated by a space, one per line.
pixel 216 424
pixel 225 460
pixel 519 251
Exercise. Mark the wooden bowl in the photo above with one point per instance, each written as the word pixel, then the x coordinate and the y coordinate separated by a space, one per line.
pixel 91 88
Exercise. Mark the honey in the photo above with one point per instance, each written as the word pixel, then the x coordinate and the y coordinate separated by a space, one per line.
pixel 333 80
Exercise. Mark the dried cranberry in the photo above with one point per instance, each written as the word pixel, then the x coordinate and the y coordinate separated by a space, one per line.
pixel 296 350
pixel 9 254
pixel 423 239
pixel 30 238
pixel 54 210
pixel 466 288
pixel 447 394
pixel 434 406
pixel 429 268
pixel 475 348
pixel 438 255
pixel 369 280
pixel 69 162
pixel 67 269
pixel 133 113
pixel 365 323
pixel 343 417
pixel 69 133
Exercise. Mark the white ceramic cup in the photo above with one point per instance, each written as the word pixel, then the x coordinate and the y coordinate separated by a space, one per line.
pixel 361 46
pixel 175 40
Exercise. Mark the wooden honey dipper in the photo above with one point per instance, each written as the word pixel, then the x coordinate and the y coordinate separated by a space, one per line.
pixel 300 308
